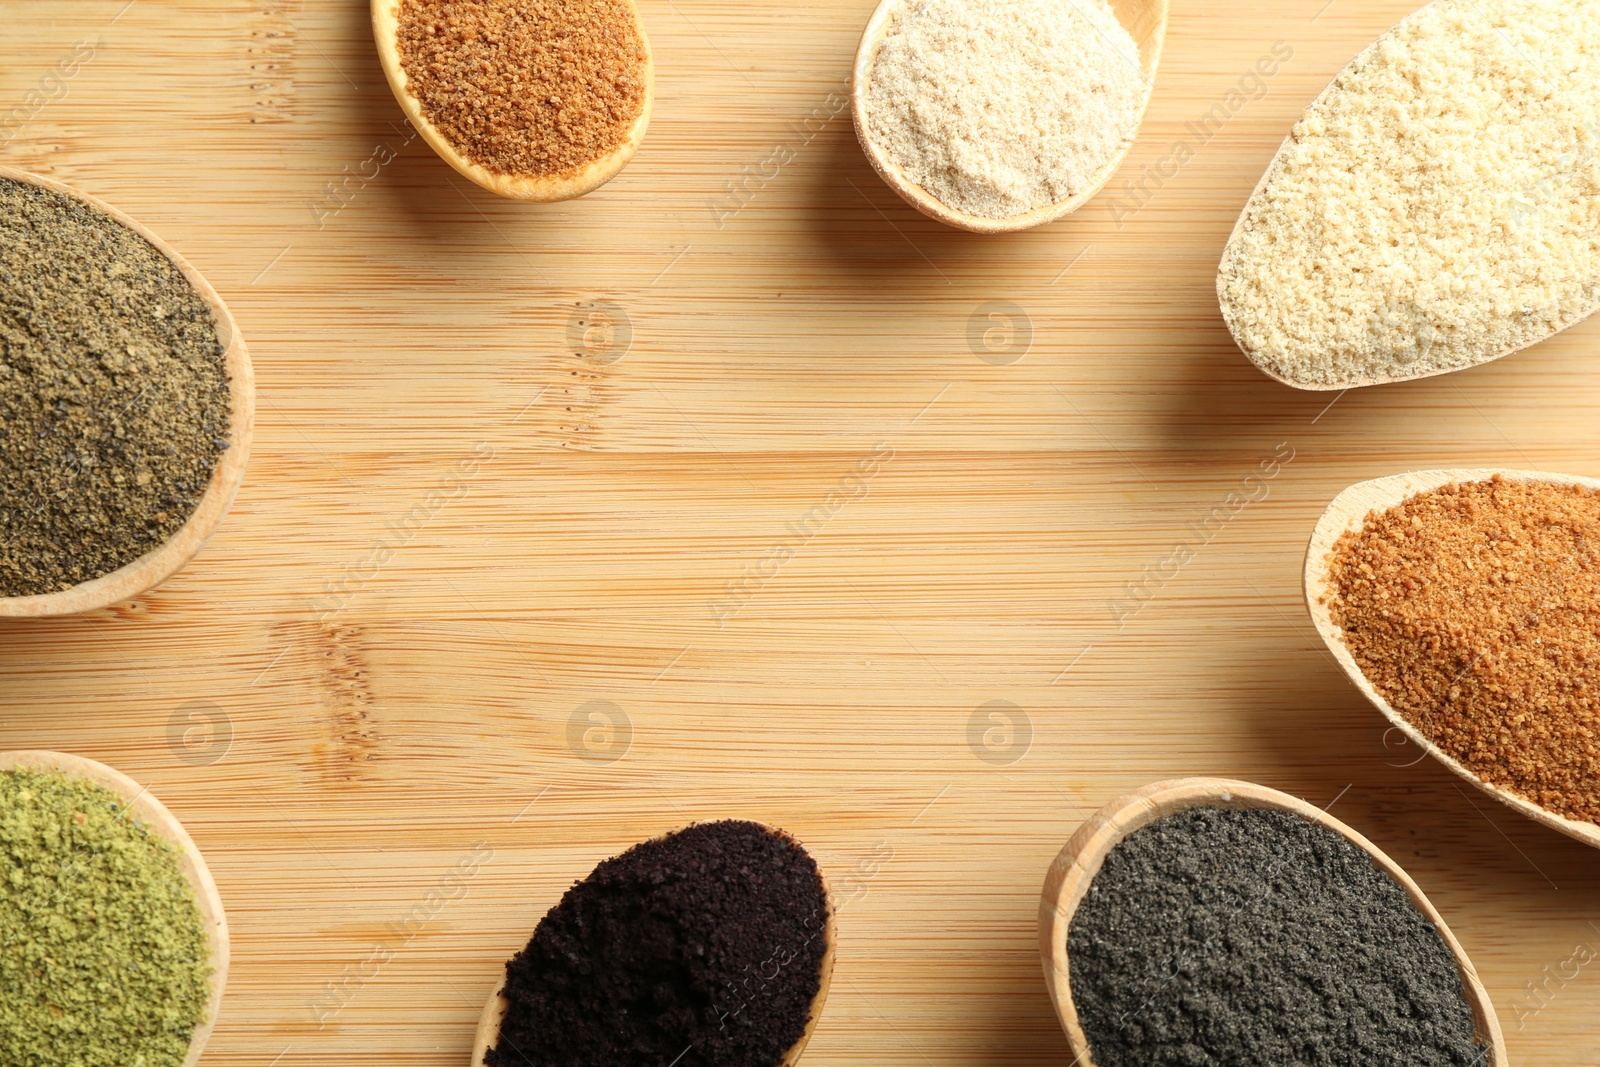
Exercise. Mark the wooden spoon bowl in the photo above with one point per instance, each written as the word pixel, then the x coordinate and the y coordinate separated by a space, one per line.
pixel 1145 21
pixel 1259 194
pixel 149 811
pixel 494 1012
pixel 159 564
pixel 1075 868
pixel 538 188
pixel 1349 512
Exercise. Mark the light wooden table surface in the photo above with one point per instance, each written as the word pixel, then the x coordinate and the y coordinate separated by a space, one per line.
pixel 1040 419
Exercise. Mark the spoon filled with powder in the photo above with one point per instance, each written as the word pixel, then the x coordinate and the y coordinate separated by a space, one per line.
pixel 708 947
pixel 127 403
pixel 116 943
pixel 1465 605
pixel 995 117
pixel 1211 921
pixel 539 100
pixel 1434 209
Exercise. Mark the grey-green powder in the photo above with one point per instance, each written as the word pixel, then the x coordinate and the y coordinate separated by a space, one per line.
pixel 113 393
pixel 104 960
pixel 1256 939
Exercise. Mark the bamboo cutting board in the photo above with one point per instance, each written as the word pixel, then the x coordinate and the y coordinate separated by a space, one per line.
pixel 738 489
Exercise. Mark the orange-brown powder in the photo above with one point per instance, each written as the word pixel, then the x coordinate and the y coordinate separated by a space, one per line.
pixel 1475 610
pixel 526 87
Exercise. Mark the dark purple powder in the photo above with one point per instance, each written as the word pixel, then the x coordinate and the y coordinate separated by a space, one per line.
pixel 699 949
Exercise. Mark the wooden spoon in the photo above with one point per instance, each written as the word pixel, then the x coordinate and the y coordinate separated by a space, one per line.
pixel 159 564
pixel 1145 21
pixel 1259 193
pixel 149 811
pixel 494 1012
pixel 540 188
pixel 1349 511
pixel 1078 863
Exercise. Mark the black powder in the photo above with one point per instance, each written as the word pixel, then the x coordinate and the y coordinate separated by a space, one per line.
pixel 113 394
pixel 1257 939
pixel 699 949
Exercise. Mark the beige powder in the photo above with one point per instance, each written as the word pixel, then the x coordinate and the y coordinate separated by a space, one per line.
pixel 1441 205
pixel 997 109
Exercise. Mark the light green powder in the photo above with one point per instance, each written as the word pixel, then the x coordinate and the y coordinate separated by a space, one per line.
pixel 103 953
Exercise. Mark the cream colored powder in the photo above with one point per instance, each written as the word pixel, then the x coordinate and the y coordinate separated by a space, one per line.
pixel 997 108
pixel 1440 206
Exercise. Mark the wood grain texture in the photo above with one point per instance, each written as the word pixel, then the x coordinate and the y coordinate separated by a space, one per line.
pixel 1054 532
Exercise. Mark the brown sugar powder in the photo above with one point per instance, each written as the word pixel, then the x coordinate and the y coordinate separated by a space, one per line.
pixel 528 87
pixel 1475 610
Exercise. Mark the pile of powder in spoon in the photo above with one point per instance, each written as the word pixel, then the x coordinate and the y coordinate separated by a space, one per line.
pixel 526 87
pixel 1474 609
pixel 1436 208
pixel 702 948
pixel 114 400
pixel 1000 109
pixel 1254 938
pixel 104 960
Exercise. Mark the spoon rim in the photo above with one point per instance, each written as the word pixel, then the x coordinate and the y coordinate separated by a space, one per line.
pixel 494 1012
pixel 1239 226
pixel 893 175
pixel 1344 514
pixel 532 188
pixel 1074 869
pixel 160 821
pixel 140 575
